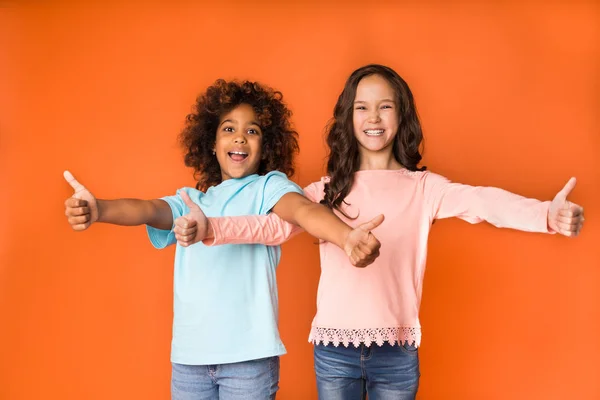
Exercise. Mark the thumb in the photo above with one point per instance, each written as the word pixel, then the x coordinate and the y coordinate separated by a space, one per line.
pixel 562 195
pixel 78 187
pixel 372 224
pixel 184 222
pixel 188 202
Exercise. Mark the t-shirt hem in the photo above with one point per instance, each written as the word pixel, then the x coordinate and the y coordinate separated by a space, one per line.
pixel 228 359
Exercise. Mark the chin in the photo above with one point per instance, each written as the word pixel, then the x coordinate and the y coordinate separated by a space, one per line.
pixel 241 174
pixel 377 147
pixel 374 149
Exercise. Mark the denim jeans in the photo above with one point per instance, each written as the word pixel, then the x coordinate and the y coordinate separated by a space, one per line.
pixel 248 380
pixel 350 373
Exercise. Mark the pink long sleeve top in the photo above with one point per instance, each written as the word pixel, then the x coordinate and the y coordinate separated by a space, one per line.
pixel 385 296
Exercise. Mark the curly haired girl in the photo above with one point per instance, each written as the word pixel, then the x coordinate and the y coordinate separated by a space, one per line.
pixel 278 144
pixel 241 146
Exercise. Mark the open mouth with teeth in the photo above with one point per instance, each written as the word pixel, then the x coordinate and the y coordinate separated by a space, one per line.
pixel 373 132
pixel 237 156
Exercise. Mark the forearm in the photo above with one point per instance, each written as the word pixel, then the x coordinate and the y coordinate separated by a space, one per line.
pixel 131 212
pixel 270 230
pixel 498 207
pixel 319 221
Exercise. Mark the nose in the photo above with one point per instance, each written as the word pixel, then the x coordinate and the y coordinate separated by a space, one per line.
pixel 240 138
pixel 374 116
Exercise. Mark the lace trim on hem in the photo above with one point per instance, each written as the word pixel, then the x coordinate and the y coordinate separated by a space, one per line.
pixel 398 335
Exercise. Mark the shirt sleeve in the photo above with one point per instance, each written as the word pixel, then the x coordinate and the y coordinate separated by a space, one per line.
pixel 475 204
pixel 276 185
pixel 269 229
pixel 263 229
pixel 161 238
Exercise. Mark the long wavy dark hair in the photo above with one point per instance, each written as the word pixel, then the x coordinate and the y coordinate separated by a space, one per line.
pixel 344 156
pixel 280 140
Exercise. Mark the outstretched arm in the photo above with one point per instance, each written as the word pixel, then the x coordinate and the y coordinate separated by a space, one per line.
pixel 502 208
pixel 83 209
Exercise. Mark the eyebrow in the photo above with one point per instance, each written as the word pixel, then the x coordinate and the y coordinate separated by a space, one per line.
pixel 381 101
pixel 234 121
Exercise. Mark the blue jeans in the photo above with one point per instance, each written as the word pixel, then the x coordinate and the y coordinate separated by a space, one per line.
pixel 248 380
pixel 383 373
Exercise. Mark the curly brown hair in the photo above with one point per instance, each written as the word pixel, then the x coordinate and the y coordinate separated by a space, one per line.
pixel 279 140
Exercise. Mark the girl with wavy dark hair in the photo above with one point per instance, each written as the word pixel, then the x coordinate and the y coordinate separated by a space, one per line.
pixel 366 331
pixel 240 143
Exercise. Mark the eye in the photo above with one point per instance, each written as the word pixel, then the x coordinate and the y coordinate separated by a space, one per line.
pixel 253 131
pixel 228 129
pixel 360 108
pixel 386 106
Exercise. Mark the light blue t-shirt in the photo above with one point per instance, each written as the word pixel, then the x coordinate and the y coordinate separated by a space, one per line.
pixel 225 297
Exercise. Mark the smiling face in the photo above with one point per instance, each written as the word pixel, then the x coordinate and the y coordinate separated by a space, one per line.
pixel 238 143
pixel 375 115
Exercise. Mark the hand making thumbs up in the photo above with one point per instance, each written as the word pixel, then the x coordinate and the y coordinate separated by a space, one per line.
pixel 81 209
pixel 192 227
pixel 361 246
pixel 565 217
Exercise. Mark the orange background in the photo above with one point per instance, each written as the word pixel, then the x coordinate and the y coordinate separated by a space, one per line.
pixel 509 96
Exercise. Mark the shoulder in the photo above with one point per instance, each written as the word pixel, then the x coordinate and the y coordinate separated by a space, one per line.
pixel 275 184
pixel 316 190
pixel 427 177
pixel 275 180
pixel 275 176
pixel 193 193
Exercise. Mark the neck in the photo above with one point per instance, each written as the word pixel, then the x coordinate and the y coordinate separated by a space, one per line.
pixel 383 159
